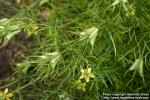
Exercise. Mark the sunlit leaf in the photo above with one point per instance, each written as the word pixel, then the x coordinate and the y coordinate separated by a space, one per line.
pixel 118 1
pixel 89 34
pixel 138 66
pixel 4 21
pixel 8 29
pixel 55 58
pixel 2 28
pixel 115 2
pixel 43 2
pixel 93 35
pixel 8 37
pixel 141 68
pixel 24 66
pixel 134 65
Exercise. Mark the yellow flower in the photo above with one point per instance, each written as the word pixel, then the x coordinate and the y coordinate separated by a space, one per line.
pixel 130 11
pixel 81 86
pixel 31 28
pixel 86 74
pixel 5 94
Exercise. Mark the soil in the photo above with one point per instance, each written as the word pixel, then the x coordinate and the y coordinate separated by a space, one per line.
pixel 14 52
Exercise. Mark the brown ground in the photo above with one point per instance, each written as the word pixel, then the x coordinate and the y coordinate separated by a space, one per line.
pixel 19 47
pixel 14 52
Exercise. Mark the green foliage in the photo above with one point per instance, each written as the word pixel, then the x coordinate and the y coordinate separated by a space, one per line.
pixel 109 36
pixel 8 29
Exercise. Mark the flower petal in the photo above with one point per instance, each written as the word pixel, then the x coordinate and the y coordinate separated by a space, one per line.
pixel 82 70
pixel 89 70
pixel 9 95
pixel 81 77
pixel 5 91
pixel 7 98
pixel 92 75
pixel 87 79
pixel 1 94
